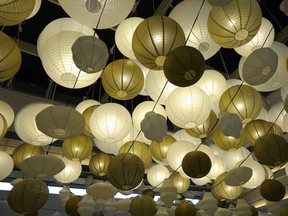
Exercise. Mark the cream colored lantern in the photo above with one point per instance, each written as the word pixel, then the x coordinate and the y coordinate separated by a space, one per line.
pixel 36 8
pixel 156 175
pixel 70 173
pixel 7 112
pixel 231 158
pixel 83 105
pixel 6 165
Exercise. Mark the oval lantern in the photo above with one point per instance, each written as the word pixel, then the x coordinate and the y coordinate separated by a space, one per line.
pixel 272 190
pixel 70 173
pixel 99 164
pixel 238 176
pixel 6 165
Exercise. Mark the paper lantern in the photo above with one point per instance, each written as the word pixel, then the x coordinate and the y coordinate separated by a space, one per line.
pixel 142 206
pixel 183 135
pixel 149 192
pixel 219 3
pixel 77 148
pixel 3 126
pixel 181 183
pixel 185 208
pixel 154 38
pixel 180 110
pixel 60 122
pixel 159 149
pixel 139 149
pixel 128 79
pixel 196 164
pixel 110 13
pixel 156 175
pixel 6 165
pixel 123 205
pixel 168 192
pixel 271 150
pixel 263 38
pixel 25 151
pixel 229 124
pixel 101 190
pixel 209 204
pixel 87 114
pixel 36 8
pixel 85 104
pixel 124 35
pixel 71 206
pixel 40 166
pixel 161 212
pixel 246 102
pixel 231 158
pixel 223 212
pixel 217 167
pixel 90 54
pixel 10 55
pixel 144 70
pixel 28 196
pixel 125 171
pixel 29 131
pixel 70 173
pixel 276 114
pixel 243 208
pixel 257 128
pixel 99 164
pixel 201 181
pixel 238 176
pixel 272 190
pixel 230 26
pixel 86 206
pixel 15 12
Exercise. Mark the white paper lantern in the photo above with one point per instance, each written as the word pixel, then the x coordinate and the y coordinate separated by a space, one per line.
pixel 7 112
pixel 156 175
pixel 217 168
pixel 188 107
pixel 83 105
pixel 183 135
pixel 185 13
pixel 276 114
pixel 35 9
pixel 109 13
pixel 70 173
pixel 231 158
pixel 201 181
pixel 233 82
pixel 110 122
pixel 6 165
pixel 145 70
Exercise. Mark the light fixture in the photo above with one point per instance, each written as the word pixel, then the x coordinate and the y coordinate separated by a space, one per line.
pixel 6 165
pixel 7 112
pixel 99 164
pixel 142 206
pixel 185 208
pixel 156 175
pixel 70 173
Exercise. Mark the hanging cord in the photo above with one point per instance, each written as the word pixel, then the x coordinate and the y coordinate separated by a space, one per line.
pixel 98 22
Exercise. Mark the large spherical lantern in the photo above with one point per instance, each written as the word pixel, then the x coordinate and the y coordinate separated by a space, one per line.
pixel 125 171
pixel 185 208
pixel 128 79
pixel 99 164
pixel 183 135
pixel 246 102
pixel 271 150
pixel 217 167
pixel 110 122
pixel 15 12
pixel 28 196
pixel 181 183
pixel 142 206
pixel 154 38
pixel 10 56
pixel 110 13
pixel 276 114
pixel 230 26
pixel 70 173
pixel 156 175
pixel 193 20
pixel 6 165
pixel 272 190
pixel 159 149
pixel 188 107
pixel 263 38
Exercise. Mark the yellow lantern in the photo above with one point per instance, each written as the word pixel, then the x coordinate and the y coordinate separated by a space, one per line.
pixel 142 206
pixel 87 114
pixel 3 126
pixel 71 206
pixel 184 209
pixel 99 164
pixel 181 183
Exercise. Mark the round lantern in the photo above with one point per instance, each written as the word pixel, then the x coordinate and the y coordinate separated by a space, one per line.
pixel 87 114
pixel 196 164
pixel 258 128
pixel 230 26
pixel 238 176
pixel 142 206
pixel 110 122
pixel 3 126
pixel 159 150
pixel 128 79
pixel 156 175
pixel 36 8
pixel 125 171
pixel 181 183
pixel 149 192
pixel 188 107
pixel 263 38
pixel 99 164
pixel 154 38
pixel 246 102
pixel 14 12
pixel 85 104
pixel 231 158
pixel 139 149
pixel 124 34
pixel 185 208
pixel 90 54
pixel 223 212
pixel 271 150
pixel 70 173
pixel 71 206
pixel 272 190
pixel 108 13
pixel 25 151
pixel 60 122
pixel 217 167
pixel 77 148
pixel 101 190
pixel 29 131
pixel 219 3
pixel 28 196
pixel 200 181
pixel 6 165
pixel 276 114
pixel 144 70
pixel 10 56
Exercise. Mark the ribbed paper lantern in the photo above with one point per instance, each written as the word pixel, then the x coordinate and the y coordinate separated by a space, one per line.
pixel 238 176
pixel 77 148
pixel 258 127
pixel 110 122
pixel 276 114
pixel 71 206
pixel 271 150
pixel 6 165
pixel 144 70
pixel 70 173
pixel 200 181
pixel 142 206
pixel 3 126
pixel 125 171
pixel 183 135
pixel 110 12
pixel 217 167
pixel 196 164
pixel 181 183
pixel 60 122
pixel 87 114
pixel 194 24
pixel 263 38
pixel 85 104
pixel 272 190
pixel 246 102
pixel 124 34
pixel 184 66
pixel 231 26
pixel 185 208
pixel 41 166
pixel 25 151
pixel 36 8
pixel 99 164
pixel 159 150
pixel 101 190
pixel 14 12
pixel 139 149
pixel 128 79
pixel 90 54
pixel 218 3
pixel 7 112
pixel 10 56
pixel 229 124
pixel 231 158
pixel 180 110
pixel 154 38
pixel 28 196
pixel 29 131
pixel 156 175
